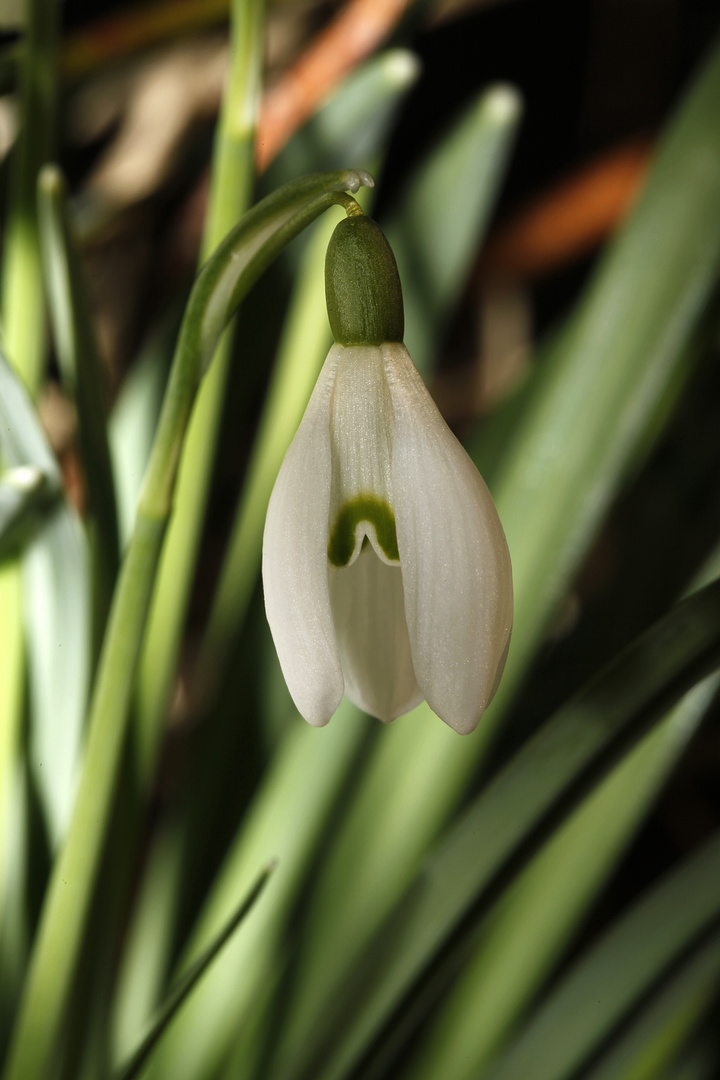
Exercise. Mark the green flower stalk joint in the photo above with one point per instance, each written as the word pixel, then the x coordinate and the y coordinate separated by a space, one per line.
pixel 385 567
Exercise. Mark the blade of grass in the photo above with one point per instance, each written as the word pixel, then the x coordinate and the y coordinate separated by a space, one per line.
pixel 604 377
pixel 498 835
pixel 185 985
pixel 230 195
pixel 224 280
pixel 82 374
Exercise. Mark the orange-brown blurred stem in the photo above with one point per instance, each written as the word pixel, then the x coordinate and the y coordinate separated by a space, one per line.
pixel 354 34
pixel 569 220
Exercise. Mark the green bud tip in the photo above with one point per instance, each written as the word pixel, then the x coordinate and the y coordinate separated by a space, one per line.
pixel 362 285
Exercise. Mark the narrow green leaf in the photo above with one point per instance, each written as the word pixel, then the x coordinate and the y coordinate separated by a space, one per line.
pixel 81 370
pixel 287 816
pixel 652 1040
pixel 438 223
pixel 674 926
pixel 504 828
pixel 185 985
pixel 134 418
pixel 56 602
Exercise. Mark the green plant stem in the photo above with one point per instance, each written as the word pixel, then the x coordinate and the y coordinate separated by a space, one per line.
pixel 221 285
pixel 230 194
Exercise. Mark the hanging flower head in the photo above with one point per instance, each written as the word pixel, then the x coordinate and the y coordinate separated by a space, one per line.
pixel 385 567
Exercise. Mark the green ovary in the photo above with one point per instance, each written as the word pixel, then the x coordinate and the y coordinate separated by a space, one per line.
pixel 374 511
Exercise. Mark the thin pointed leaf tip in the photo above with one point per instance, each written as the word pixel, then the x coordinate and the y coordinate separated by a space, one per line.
pixel 385 567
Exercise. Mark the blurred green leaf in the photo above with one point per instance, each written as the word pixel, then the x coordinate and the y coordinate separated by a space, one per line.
pixel 57 614
pixel 437 224
pixel 134 418
pixel 502 830
pixel 82 374
pixel 185 985
pixel 285 819
pixel 651 1040
pixel 354 124
pixel 672 932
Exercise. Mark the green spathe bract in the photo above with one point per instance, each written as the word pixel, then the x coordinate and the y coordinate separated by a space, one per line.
pixel 369 508
pixel 362 285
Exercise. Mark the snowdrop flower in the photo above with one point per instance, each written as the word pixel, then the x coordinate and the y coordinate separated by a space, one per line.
pixel 385 567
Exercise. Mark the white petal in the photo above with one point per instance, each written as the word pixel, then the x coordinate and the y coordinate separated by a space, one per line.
pixel 454 557
pixel 369 614
pixel 295 578
pixel 361 426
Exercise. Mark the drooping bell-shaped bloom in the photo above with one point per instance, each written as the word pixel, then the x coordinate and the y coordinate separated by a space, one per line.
pixel 386 572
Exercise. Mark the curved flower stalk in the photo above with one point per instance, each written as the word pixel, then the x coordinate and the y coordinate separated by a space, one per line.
pixel 385 567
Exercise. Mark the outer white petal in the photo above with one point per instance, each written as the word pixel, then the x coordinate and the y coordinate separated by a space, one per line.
pixel 369 614
pixel 454 557
pixel 294 565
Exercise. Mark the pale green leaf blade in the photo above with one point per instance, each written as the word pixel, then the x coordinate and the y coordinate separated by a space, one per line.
pixel 652 1040
pixel 356 121
pixel 133 420
pixel 181 990
pixel 438 224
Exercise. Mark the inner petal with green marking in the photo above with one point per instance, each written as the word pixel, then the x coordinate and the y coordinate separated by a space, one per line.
pixel 362 518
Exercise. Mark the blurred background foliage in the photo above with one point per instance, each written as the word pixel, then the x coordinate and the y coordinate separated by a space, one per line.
pixel 546 286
